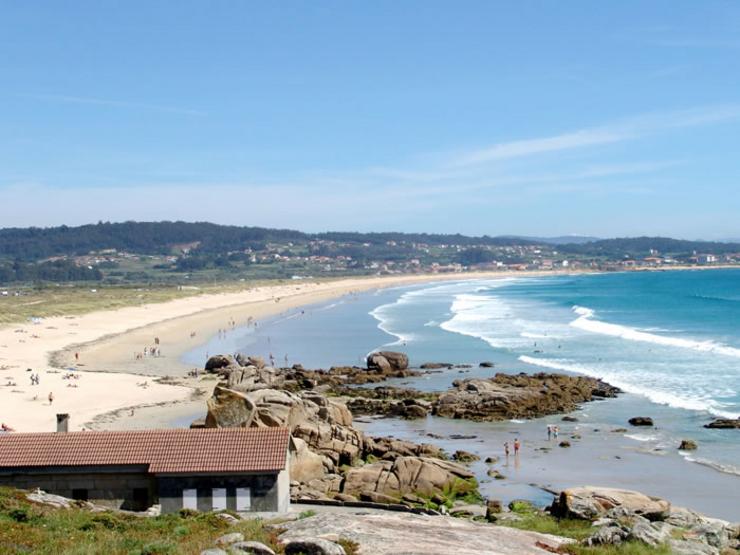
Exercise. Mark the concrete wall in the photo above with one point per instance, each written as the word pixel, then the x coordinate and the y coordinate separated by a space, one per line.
pixel 265 489
pixel 109 486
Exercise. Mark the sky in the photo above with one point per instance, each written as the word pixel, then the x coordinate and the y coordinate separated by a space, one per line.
pixel 529 117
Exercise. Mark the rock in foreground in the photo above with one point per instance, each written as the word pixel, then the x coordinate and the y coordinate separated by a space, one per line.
pixel 591 503
pixel 393 533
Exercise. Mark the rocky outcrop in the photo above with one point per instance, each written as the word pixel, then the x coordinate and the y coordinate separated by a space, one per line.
pixel 391 533
pixel 724 424
pixel 305 465
pixel 417 475
pixel 312 546
pixel 688 445
pixel 387 361
pixel 641 421
pixel 683 531
pixel 229 409
pixel 216 362
pixel 590 503
pixel 507 396
pixel 389 448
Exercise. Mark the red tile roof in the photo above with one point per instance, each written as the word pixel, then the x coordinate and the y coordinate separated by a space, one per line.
pixel 164 451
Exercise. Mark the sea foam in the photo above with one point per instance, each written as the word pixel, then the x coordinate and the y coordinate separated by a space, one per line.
pixel 586 322
pixel 617 379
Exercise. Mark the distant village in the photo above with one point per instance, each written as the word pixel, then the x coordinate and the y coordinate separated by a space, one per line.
pixel 319 258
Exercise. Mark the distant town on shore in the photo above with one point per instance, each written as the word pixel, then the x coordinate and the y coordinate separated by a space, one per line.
pixel 177 252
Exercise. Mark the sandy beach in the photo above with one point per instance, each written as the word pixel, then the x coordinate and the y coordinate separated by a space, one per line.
pixel 93 364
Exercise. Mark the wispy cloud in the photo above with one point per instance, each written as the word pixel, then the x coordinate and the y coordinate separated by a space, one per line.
pixel 528 147
pixel 619 131
pixel 116 104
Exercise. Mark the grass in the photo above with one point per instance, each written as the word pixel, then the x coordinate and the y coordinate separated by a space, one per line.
pixel 535 520
pixel 29 528
pixel 626 548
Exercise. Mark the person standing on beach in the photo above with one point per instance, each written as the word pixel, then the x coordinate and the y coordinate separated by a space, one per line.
pixel 555 431
pixel 51 398
pixel 549 432
pixel 517 445
pixel 506 448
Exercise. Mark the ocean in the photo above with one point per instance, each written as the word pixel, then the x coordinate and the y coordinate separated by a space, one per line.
pixel 670 340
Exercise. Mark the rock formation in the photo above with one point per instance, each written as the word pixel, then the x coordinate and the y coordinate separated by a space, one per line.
pixel 387 361
pixel 591 503
pixel 641 421
pixel 507 396
pixel 724 424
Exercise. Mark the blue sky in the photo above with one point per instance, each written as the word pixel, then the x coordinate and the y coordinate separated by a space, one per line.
pixel 536 118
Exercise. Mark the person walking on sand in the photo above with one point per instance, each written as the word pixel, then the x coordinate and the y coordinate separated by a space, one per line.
pixel 555 431
pixel 517 445
pixel 506 448
pixel 549 432
pixel 51 398
pixel 77 357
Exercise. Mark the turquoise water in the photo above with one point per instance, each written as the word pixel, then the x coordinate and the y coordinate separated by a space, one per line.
pixel 669 339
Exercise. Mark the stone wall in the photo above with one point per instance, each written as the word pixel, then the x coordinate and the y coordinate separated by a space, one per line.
pixel 129 488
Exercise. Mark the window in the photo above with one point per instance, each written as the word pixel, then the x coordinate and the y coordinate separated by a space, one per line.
pixel 219 499
pixel 243 499
pixel 79 494
pixel 190 499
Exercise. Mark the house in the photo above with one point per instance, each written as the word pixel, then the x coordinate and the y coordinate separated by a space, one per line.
pixel 242 469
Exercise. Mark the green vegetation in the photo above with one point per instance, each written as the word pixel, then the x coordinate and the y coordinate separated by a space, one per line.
pixel 29 528
pixel 535 520
pixel 180 252
pixel 626 548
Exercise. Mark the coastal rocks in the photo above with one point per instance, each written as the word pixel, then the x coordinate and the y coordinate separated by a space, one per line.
pixel 641 421
pixel 464 457
pixel 569 419
pixel 249 360
pixel 251 548
pixel 493 507
pixel 486 364
pixel 417 475
pixel 406 408
pixel 324 424
pixel 688 445
pixel 590 503
pixel 388 448
pixel 229 409
pixel 724 424
pixel 305 465
pixel 216 362
pixel 313 546
pixel 436 365
pixel 387 361
pixel 564 443
pixel 507 396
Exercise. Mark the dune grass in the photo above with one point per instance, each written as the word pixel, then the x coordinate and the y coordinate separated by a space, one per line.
pixel 66 300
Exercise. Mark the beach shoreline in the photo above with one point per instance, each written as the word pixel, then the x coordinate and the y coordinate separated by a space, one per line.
pixel 101 349
pixel 107 343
